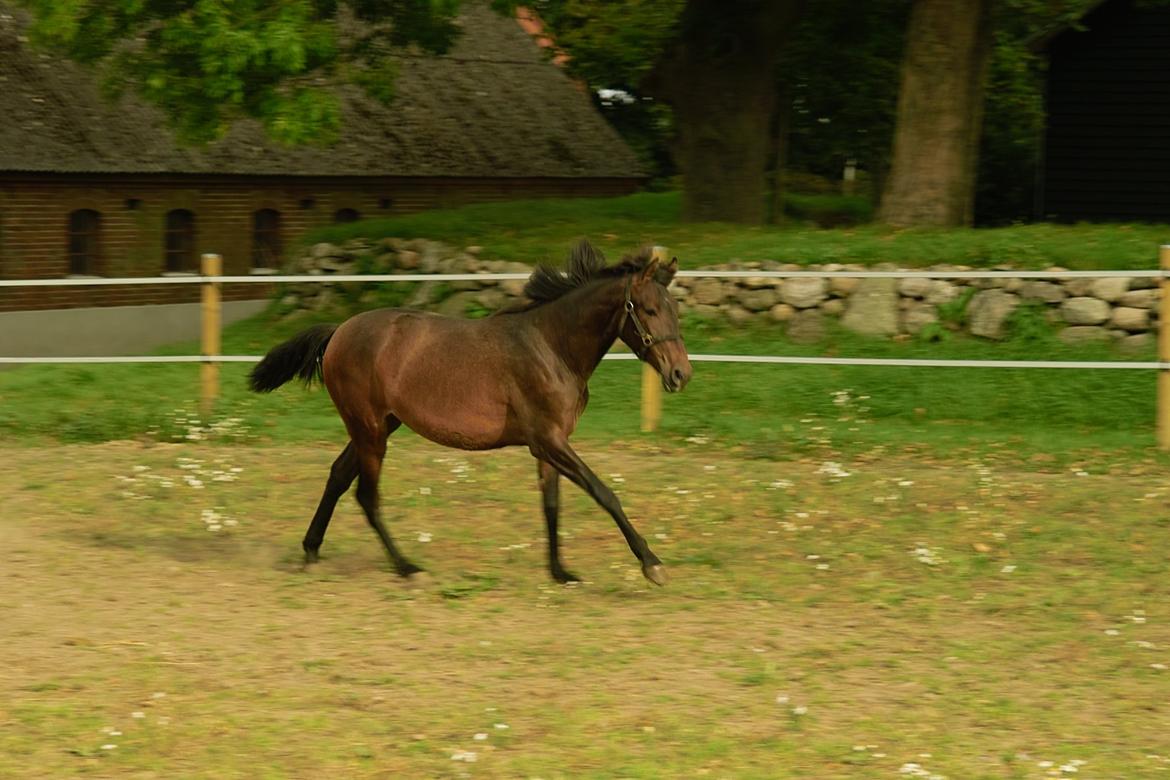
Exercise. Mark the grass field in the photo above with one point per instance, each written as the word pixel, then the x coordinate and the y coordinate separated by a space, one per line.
pixel 763 411
pixel 872 616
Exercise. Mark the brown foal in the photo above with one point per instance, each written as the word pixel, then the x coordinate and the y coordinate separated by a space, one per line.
pixel 519 377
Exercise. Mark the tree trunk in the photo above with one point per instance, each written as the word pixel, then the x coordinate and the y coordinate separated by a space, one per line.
pixel 718 77
pixel 940 115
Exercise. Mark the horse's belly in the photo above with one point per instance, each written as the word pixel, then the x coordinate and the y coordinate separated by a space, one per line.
pixel 453 408
pixel 456 428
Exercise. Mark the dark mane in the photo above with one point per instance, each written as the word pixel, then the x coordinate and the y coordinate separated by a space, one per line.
pixel 585 264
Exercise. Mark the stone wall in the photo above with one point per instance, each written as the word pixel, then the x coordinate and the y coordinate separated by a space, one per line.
pixel 1084 309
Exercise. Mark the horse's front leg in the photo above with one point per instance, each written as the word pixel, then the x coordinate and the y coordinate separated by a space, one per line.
pixel 558 453
pixel 550 501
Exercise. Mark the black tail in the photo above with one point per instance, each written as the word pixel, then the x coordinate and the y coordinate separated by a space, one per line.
pixel 298 357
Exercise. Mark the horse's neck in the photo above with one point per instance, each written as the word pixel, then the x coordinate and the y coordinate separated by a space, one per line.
pixel 583 325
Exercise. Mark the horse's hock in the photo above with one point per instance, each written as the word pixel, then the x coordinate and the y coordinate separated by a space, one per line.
pixel 1118 309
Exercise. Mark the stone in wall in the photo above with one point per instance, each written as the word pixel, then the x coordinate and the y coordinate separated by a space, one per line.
pixel 708 292
pixel 988 312
pixel 1135 342
pixel 941 291
pixel 1083 334
pixel 1046 292
pixel 834 307
pixel 917 316
pixel 782 312
pixel 873 308
pixel 807 327
pixel 1119 309
pixel 914 287
pixel 1110 288
pixel 760 299
pixel 1084 310
pixel 1130 319
pixel 1140 299
pixel 803 292
pixel 843 286
pixel 738 314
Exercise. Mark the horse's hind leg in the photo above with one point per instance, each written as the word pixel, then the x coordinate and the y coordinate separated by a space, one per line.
pixel 369 451
pixel 341 476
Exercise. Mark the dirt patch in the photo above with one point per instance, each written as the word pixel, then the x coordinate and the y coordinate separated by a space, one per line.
pixel 828 620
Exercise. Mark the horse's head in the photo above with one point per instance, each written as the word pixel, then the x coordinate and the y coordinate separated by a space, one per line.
pixel 650 324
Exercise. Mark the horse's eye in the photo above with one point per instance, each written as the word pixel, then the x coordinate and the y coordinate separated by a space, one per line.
pixel 650 312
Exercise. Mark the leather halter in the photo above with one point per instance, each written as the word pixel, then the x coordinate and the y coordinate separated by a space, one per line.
pixel 648 339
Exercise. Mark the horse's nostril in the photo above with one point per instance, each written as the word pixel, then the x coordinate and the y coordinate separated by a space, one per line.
pixel 677 375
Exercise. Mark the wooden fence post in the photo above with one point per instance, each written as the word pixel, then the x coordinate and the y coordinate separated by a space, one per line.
pixel 1164 352
pixel 651 383
pixel 211 265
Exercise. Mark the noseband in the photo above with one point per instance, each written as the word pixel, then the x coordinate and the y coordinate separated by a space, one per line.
pixel 648 339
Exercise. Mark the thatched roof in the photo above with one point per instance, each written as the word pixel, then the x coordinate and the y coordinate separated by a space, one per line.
pixel 493 106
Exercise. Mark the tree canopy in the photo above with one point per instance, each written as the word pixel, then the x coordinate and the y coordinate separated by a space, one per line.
pixel 208 63
pixel 722 93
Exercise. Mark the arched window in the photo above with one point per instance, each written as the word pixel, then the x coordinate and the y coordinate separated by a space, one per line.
pixel 346 215
pixel 266 244
pixel 179 241
pixel 85 227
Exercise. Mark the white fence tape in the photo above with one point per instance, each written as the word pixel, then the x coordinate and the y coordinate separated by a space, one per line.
pixel 783 359
pixel 484 277
pixel 774 359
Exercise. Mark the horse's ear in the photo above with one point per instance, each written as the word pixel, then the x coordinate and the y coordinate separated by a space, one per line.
pixel 650 270
pixel 665 274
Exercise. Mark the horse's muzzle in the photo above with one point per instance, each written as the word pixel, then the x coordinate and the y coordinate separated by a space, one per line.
pixel 676 378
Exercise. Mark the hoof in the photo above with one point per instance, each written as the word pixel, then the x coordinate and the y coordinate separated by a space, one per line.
pixel 656 574
pixel 311 556
pixel 565 577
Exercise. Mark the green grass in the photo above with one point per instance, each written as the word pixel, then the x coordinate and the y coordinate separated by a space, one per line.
pixel 542 231
pixel 767 411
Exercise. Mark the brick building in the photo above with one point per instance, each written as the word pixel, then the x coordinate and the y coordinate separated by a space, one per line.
pixel 89 187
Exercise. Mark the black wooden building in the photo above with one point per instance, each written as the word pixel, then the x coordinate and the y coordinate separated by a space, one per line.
pixel 1106 152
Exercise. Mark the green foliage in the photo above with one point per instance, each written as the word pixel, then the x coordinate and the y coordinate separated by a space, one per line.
pixel 207 63
pixel 842 84
pixel 612 44
pixel 1013 127
pixel 933 332
pixel 1029 323
pixel 954 312
pixel 829 210
pixel 616 46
